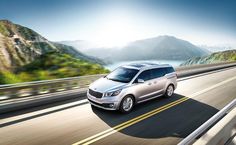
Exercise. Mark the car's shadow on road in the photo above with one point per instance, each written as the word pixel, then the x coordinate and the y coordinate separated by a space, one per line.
pixel 177 121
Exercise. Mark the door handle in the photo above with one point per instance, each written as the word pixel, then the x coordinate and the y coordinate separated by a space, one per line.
pixel 155 82
pixel 149 83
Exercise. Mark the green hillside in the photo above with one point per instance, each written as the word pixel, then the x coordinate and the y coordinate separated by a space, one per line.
pixel 51 66
pixel 224 56
pixel 25 55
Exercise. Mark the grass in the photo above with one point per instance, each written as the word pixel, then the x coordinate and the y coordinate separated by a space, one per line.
pixel 3 29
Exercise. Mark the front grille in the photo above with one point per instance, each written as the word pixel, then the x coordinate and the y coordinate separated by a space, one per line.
pixel 95 94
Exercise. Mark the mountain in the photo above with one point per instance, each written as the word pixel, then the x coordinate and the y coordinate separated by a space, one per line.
pixel 223 56
pixel 24 52
pixel 162 47
pixel 20 45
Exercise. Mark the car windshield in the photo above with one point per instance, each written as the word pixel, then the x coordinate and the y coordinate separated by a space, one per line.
pixel 122 74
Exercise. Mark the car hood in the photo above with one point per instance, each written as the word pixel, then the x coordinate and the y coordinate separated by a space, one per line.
pixel 103 85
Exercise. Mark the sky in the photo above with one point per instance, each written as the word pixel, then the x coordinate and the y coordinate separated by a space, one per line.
pixel 116 22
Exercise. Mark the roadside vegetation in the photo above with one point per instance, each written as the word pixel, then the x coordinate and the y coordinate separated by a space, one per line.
pixel 51 66
pixel 224 56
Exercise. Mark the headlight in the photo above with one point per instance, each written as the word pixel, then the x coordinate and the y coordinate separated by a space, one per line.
pixel 114 93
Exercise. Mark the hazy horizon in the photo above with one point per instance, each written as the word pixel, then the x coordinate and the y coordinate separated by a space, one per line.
pixel 91 44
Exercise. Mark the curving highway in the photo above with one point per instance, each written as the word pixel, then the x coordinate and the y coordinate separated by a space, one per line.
pixel 160 121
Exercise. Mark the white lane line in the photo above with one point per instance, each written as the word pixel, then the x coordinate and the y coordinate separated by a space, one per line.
pixel 18 117
pixel 214 86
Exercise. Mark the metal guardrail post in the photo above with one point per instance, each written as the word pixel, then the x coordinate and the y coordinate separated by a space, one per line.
pixel 204 127
pixel 34 90
pixel 12 93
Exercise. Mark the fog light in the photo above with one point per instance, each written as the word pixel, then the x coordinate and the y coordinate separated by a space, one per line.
pixel 111 105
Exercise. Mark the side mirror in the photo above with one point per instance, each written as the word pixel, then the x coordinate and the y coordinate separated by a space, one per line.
pixel 140 81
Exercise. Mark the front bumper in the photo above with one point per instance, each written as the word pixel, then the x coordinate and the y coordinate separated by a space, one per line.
pixel 110 103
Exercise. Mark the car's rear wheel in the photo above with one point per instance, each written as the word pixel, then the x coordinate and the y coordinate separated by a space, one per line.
pixel 127 104
pixel 169 91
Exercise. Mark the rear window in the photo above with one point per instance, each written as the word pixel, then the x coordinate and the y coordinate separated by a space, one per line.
pixel 170 70
pixel 155 73
pixel 158 72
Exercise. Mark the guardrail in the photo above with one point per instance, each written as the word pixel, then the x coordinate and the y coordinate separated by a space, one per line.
pixel 27 89
pixel 204 127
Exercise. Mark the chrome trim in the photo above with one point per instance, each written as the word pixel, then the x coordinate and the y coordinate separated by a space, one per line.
pixel 144 96
pixel 150 98
pixel 101 106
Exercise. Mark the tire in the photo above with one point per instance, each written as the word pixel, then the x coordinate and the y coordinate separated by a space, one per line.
pixel 169 91
pixel 126 108
pixel 93 107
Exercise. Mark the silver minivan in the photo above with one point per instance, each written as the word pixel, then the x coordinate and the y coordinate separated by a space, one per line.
pixel 131 84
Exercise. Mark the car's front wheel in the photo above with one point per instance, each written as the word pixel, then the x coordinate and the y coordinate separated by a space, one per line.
pixel 127 104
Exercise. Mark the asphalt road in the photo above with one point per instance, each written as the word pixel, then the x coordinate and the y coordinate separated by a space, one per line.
pixel 160 121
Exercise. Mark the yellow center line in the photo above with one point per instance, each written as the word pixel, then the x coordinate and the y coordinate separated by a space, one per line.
pixel 134 122
pixel 121 126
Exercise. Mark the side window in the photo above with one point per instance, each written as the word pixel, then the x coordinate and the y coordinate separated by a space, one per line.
pixel 159 72
pixel 145 75
pixel 170 69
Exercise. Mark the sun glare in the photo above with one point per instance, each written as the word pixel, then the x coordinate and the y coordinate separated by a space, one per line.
pixel 115 31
